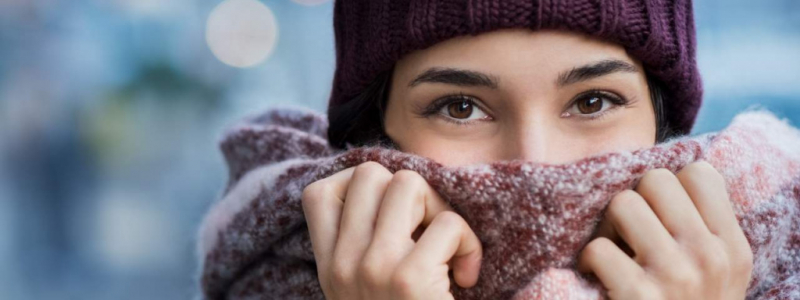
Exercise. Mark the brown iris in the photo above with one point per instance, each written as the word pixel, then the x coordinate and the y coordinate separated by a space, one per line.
pixel 460 110
pixel 590 105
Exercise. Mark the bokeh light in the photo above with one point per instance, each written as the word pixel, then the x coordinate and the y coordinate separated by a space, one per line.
pixel 241 33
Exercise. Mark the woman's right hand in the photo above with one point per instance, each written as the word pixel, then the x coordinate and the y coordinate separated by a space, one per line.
pixel 363 223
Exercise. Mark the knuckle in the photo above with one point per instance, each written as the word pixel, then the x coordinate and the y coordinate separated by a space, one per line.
pixel 408 178
pixel 449 219
pixel 657 176
pixel 370 169
pixel 315 190
pixel 372 173
pixel 341 274
pixel 702 167
pixel 597 248
pixel 370 272
pixel 685 276
pixel 642 291
pixel 403 281
pixel 714 260
pixel 623 200
pixel 700 170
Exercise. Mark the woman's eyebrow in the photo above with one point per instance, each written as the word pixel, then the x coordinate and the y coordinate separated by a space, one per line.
pixel 456 77
pixel 594 70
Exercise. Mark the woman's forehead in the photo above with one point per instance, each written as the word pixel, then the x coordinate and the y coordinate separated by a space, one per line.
pixel 509 52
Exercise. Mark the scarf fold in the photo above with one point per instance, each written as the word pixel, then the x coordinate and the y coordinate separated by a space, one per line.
pixel 532 219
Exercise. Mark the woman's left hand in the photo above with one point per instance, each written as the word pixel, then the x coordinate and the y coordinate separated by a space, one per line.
pixel 683 237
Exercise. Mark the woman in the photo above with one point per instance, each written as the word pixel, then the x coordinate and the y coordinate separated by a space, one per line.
pixel 466 82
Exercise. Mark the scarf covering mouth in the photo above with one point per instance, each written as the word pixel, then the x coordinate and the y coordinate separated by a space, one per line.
pixel 532 219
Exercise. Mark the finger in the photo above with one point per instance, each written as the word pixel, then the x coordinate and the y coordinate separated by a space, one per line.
pixel 607 230
pixel 708 190
pixel 706 187
pixel 638 225
pixel 614 268
pixel 448 238
pixel 361 204
pixel 322 205
pixel 670 202
pixel 409 201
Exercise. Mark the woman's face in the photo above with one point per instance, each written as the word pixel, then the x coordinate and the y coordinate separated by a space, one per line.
pixel 543 96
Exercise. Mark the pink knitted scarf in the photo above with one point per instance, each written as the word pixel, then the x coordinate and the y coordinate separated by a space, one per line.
pixel 533 219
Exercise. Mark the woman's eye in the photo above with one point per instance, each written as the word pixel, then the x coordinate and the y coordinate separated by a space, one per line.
pixel 463 110
pixel 590 105
pixel 594 104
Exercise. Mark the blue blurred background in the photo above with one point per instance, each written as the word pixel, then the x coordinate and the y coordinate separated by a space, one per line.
pixel 110 111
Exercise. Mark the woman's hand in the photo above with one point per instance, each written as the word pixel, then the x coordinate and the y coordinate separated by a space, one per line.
pixel 684 238
pixel 364 222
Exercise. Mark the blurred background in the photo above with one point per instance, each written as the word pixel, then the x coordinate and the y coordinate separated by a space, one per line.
pixel 110 111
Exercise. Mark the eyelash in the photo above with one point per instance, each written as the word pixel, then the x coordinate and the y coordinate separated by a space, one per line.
pixel 435 107
pixel 615 99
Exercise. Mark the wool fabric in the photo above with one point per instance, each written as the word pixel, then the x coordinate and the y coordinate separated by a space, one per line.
pixel 532 219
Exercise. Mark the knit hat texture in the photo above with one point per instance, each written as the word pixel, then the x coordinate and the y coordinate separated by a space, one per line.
pixel 372 35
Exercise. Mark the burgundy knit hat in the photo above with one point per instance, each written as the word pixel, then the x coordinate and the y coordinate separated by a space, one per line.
pixel 372 35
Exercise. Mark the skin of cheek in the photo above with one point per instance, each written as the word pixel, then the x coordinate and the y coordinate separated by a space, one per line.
pixel 446 143
pixel 457 153
pixel 626 135
pixel 627 128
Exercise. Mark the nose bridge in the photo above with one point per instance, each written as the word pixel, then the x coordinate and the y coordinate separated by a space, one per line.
pixel 532 139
